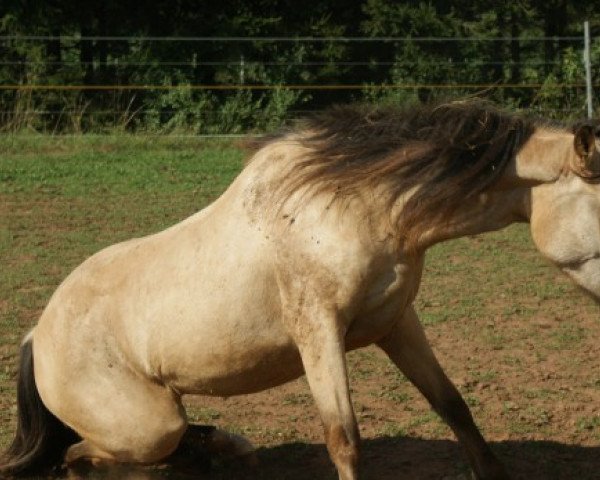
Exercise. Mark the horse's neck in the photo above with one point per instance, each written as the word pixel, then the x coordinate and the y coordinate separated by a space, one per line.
pixel 485 213
pixel 542 160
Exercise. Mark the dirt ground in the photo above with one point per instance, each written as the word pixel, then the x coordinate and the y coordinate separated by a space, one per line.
pixel 538 407
pixel 528 416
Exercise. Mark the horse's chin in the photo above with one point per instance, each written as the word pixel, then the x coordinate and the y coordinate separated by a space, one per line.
pixel 586 275
pixel 595 296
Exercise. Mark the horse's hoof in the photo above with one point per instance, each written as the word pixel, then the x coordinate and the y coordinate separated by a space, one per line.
pixel 224 443
pixel 497 473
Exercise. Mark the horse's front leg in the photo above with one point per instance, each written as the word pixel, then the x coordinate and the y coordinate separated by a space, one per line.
pixel 320 341
pixel 408 348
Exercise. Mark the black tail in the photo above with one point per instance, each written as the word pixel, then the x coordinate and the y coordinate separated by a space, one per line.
pixel 41 439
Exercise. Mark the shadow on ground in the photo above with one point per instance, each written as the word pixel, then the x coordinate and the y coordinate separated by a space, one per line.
pixel 386 458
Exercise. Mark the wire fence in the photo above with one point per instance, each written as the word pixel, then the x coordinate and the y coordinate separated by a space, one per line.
pixel 229 85
pixel 292 39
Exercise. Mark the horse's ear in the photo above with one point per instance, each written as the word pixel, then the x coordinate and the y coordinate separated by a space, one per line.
pixel 587 163
pixel 585 140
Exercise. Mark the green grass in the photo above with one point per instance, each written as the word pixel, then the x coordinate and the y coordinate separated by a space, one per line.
pixel 497 275
pixel 86 166
pixel 203 415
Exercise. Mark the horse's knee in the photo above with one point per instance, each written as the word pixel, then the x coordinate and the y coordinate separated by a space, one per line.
pixel 154 444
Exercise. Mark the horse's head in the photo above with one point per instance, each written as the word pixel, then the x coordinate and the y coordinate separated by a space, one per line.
pixel 565 213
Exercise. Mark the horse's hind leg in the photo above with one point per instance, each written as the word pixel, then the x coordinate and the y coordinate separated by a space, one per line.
pixel 127 419
pixel 84 450
pixel 409 349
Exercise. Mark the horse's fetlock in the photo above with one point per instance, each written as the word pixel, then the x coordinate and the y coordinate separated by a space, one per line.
pixel 343 447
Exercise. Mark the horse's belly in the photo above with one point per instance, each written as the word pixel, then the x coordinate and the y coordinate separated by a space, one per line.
pixel 235 366
pixel 260 355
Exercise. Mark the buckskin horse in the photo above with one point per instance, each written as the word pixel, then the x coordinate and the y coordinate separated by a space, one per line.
pixel 315 249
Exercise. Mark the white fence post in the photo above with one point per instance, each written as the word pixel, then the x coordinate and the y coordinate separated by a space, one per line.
pixel 588 67
pixel 242 72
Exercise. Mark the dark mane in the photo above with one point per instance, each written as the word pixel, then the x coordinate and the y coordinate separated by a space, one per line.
pixel 452 151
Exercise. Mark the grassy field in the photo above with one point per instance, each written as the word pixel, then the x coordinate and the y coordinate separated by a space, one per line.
pixel 520 342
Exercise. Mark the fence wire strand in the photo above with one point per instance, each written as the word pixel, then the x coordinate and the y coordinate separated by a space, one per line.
pixel 248 61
